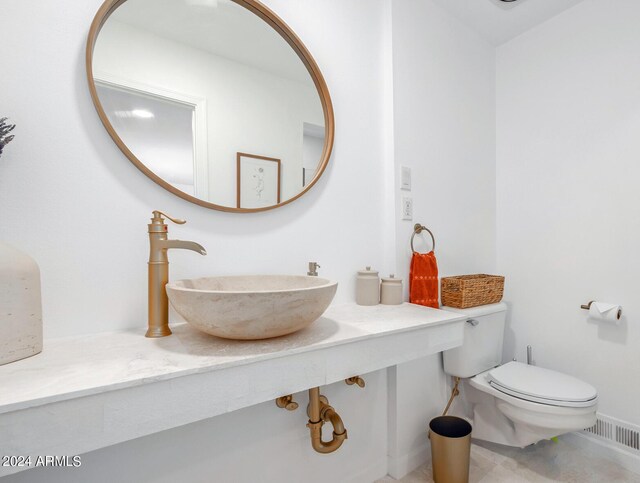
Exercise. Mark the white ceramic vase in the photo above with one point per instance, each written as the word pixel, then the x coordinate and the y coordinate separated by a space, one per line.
pixel 20 305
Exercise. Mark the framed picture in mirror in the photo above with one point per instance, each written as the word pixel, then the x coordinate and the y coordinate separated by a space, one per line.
pixel 258 181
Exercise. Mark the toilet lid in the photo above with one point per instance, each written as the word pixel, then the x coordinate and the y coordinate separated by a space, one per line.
pixel 541 385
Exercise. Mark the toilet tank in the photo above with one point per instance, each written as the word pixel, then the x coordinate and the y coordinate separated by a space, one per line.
pixel 481 349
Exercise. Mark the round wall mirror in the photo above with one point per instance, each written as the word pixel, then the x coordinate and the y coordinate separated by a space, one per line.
pixel 218 101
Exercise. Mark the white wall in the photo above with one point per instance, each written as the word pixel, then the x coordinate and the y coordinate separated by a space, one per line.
pixel 72 200
pixel 568 118
pixel 417 392
pixel 248 110
pixel 444 130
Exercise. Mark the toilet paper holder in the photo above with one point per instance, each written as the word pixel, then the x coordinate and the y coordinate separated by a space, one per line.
pixel 588 307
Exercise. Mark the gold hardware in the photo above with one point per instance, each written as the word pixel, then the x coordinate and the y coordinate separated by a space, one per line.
pixel 287 402
pixel 454 393
pixel 417 229
pixel 158 322
pixel 355 380
pixel 587 306
pixel 157 215
pixel 313 269
pixel 320 412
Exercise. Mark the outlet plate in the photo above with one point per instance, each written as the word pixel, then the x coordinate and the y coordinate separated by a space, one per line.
pixel 407 208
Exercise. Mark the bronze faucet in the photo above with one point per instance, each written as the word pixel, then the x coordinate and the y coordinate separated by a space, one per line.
pixel 159 272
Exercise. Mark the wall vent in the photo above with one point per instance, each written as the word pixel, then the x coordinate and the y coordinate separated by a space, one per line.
pixel 621 434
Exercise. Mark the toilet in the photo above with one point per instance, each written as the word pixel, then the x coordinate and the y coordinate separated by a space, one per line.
pixel 514 404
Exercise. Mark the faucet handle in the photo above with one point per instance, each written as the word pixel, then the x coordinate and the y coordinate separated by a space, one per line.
pixel 157 217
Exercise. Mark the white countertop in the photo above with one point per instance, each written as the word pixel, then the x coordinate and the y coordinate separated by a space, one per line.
pixel 89 392
pixel 74 367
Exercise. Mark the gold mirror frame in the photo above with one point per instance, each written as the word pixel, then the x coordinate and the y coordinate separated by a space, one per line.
pixel 257 8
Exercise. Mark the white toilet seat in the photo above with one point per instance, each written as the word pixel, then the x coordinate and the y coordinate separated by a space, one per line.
pixel 550 402
pixel 542 386
pixel 557 404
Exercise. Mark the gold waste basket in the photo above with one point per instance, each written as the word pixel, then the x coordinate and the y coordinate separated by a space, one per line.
pixel 450 449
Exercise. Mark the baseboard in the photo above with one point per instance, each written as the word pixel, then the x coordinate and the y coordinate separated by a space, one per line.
pixel 604 449
pixel 400 466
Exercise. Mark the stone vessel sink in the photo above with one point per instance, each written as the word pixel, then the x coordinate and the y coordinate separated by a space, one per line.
pixel 251 307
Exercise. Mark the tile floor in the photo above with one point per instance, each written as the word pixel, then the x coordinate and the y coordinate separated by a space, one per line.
pixel 542 462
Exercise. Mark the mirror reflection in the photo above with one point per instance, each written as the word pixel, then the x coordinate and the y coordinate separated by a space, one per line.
pixel 211 99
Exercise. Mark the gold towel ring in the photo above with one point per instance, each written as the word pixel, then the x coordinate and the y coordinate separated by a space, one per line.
pixel 417 229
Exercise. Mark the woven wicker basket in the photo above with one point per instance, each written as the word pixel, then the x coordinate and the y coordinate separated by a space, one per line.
pixel 466 291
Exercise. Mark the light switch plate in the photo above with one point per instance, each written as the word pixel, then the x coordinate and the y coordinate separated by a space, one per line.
pixel 407 208
pixel 405 178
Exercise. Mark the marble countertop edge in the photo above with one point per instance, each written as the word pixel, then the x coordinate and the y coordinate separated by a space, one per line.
pixel 182 332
